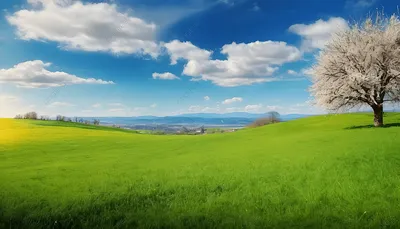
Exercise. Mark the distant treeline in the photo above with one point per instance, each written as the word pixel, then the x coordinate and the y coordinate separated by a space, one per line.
pixel 34 116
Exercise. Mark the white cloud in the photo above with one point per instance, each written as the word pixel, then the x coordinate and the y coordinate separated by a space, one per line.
pixel 233 109
pixel 209 109
pixel 232 100
pixel 90 27
pixel 253 108
pixel 255 7
pixel 359 4
pixel 307 71
pixel 165 76
pixel 291 72
pixel 316 35
pixel 116 110
pixel 246 64
pixel 33 74
pixel 140 108
pixel 227 2
pixel 206 98
pixel 154 105
pixel 116 104
pixel 195 108
pixel 96 105
pixel 185 50
pixel 60 104
pixel 273 108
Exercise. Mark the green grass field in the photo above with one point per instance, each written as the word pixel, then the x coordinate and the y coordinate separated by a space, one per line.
pixel 317 172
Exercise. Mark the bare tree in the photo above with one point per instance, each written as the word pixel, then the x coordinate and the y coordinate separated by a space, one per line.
pixel 19 116
pixel 31 115
pixel 61 118
pixel 185 130
pixel 360 66
pixel 96 122
pixel 44 117
pixel 202 130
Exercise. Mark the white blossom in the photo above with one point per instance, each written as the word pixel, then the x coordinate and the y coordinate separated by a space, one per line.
pixel 360 66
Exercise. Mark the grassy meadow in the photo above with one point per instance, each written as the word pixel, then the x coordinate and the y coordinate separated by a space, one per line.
pixel 319 172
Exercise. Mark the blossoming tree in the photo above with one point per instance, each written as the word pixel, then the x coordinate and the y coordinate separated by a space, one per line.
pixel 360 66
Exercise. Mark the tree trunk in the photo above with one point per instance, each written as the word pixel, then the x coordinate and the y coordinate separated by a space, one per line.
pixel 378 115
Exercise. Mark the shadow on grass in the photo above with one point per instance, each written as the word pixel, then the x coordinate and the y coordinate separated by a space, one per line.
pixel 82 126
pixel 372 126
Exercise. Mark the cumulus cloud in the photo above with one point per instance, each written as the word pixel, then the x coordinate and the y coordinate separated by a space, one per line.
pixel 232 100
pixel 185 50
pixel 60 104
pixel 94 27
pixel 33 74
pixel 206 98
pixel 253 108
pixel 165 76
pixel 116 110
pixel 197 109
pixel 292 72
pixel 307 71
pixel 316 35
pixel 359 4
pixel 96 105
pixel 116 105
pixel 255 7
pixel 154 105
pixel 246 64
pixel 227 2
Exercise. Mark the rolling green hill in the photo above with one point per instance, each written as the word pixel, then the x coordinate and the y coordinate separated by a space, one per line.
pixel 325 171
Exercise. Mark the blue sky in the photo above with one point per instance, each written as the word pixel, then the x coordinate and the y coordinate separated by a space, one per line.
pixel 153 57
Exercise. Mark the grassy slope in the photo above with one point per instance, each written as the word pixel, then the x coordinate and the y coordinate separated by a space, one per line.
pixel 312 172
